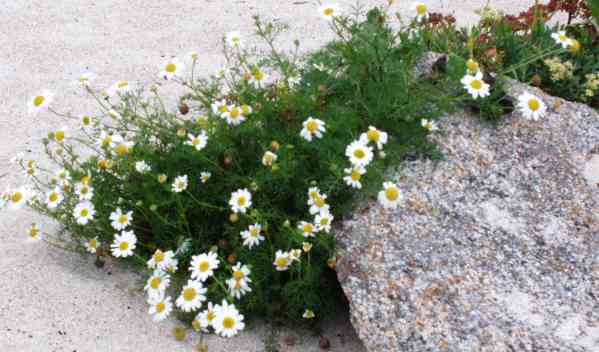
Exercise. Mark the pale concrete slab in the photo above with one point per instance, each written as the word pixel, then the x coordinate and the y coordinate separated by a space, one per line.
pixel 51 300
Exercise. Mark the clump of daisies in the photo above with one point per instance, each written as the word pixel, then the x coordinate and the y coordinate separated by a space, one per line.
pixel 226 196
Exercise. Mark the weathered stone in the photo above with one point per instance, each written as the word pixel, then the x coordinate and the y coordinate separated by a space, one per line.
pixel 495 248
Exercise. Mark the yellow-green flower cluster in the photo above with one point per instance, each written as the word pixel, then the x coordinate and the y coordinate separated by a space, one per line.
pixel 559 70
pixel 592 84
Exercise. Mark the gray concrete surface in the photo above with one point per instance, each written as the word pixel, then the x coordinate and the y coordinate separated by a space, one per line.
pixel 51 300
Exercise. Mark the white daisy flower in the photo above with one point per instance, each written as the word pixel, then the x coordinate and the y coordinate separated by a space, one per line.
pixel 475 85
pixel 119 87
pixel 84 191
pixel 34 232
pixel 359 154
pixel 421 10
pixel 269 158
pixel 219 107
pixel 562 39
pixel 172 68
pixel 307 228
pixel 234 39
pixel 161 260
pixel 312 128
pixel 532 107
pixel 160 307
pixel 429 125
pixel 192 296
pixel 227 322
pixel 106 140
pixel 180 184
pixel 318 204
pixel 86 120
pixel 354 175
pixel 240 200
pixel 375 136
pixel 328 11
pixel 142 167
pixel 239 283
pixel 199 141
pixel 120 220
pixel 282 260
pixel 54 198
pixel 205 176
pixel 295 254
pixel 85 79
pixel 390 196
pixel 39 102
pixel 323 221
pixel 124 244
pixel 202 266
pixel 157 283
pixel 258 78
pixel 234 115
pixel 84 212
pixel 206 317
pixel 91 245
pixel 252 236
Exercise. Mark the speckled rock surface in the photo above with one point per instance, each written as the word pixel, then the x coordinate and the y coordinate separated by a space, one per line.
pixel 496 248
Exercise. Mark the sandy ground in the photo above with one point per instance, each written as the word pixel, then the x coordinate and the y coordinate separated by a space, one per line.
pixel 52 300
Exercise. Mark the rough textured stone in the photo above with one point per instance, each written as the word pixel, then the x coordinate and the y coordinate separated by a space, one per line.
pixel 495 248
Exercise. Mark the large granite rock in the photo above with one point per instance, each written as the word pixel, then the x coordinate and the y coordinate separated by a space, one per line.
pixel 496 248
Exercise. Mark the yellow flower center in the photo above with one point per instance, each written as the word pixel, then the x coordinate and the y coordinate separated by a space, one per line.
pixel 281 262
pixel 259 75
pixel 238 275
pixel 84 212
pixel 84 190
pixel 308 228
pixel 241 201
pixel 476 84
pixel 93 243
pixel 189 293
pixel 160 307
pixel 312 126
pixel 53 197
pixel 155 282
pixel 359 153
pixel 123 246
pixel 254 232
pixel 122 84
pixel 373 135
pixel 210 316
pixel 421 9
pixel 158 256
pixel 30 171
pixel 324 221
pixel 85 180
pixel 204 266
pixel 534 104
pixel 170 67
pixel 245 109
pixel 59 135
pixel 329 11
pixel 355 175
pixel 223 108
pixel 563 37
pixel 107 140
pixel 195 141
pixel 38 100
pixel 228 322
pixel 121 149
pixel 313 194
pixel 234 113
pixel 320 202
pixel 392 193
pixel 472 65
